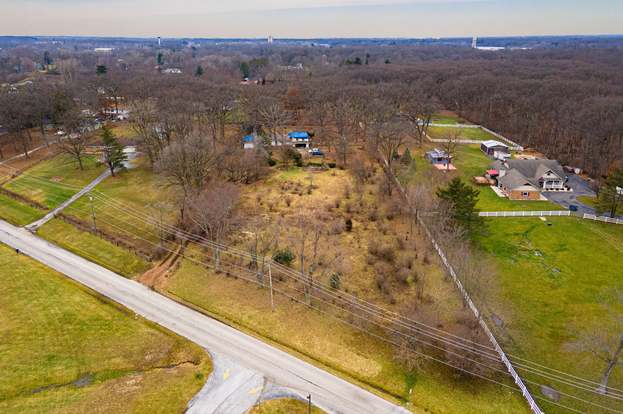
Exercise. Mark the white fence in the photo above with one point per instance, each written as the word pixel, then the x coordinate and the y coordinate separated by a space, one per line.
pixel 513 145
pixel 602 219
pixel 470 303
pixel 509 366
pixel 524 213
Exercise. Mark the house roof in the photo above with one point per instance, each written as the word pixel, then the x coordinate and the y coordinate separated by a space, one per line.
pixel 491 143
pixel 535 169
pixel 437 153
pixel 514 179
pixel 298 135
pixel 248 138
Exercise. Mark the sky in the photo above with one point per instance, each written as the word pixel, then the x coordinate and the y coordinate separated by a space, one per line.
pixel 310 18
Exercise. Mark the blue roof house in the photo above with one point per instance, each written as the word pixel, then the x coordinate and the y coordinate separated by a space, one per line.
pixel 248 142
pixel 300 139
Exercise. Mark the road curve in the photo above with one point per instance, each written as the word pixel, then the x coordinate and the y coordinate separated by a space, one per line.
pixel 328 391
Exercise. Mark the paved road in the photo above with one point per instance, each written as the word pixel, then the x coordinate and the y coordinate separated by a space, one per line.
pixel 328 391
pixel 35 225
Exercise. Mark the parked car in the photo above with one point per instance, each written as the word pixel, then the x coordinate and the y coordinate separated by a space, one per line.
pixel 573 207
pixel 315 152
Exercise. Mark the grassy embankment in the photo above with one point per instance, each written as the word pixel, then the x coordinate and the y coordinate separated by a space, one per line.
pixel 558 284
pixel 40 183
pixel 66 349
pixel 44 190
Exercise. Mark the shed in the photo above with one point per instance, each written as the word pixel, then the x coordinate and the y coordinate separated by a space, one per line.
pixel 438 157
pixel 491 147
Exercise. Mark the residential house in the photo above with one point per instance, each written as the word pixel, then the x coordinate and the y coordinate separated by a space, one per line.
pixel 438 157
pixel 299 139
pixel 248 142
pixel 527 179
pixel 492 147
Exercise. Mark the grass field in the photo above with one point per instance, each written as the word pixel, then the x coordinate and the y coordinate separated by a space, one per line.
pixel 40 184
pixel 478 134
pixel 557 284
pixel 284 406
pixel 94 248
pixel 449 118
pixel 138 189
pixel 592 202
pixel 65 349
pixel 18 213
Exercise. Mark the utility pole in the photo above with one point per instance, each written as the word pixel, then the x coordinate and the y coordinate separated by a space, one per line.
pixel 270 284
pixel 93 213
pixel 309 404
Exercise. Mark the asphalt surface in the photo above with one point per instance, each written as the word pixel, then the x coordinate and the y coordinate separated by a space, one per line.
pixel 328 392
pixel 565 199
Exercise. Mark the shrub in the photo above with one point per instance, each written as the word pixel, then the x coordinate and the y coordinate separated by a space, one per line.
pixel 335 281
pixel 373 215
pixel 332 165
pixel 349 225
pixel 284 257
pixel 402 275
pixel 272 162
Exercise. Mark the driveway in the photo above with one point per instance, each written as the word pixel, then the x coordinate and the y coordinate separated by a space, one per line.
pixel 565 199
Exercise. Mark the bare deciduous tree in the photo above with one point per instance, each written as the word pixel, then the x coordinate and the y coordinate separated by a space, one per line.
pixel 212 212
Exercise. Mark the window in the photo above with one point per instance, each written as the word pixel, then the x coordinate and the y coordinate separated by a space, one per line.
pixel 525 194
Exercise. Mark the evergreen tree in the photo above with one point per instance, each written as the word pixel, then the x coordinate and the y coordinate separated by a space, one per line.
pixel 611 193
pixel 160 59
pixel 199 71
pixel 101 69
pixel 406 158
pixel 114 156
pixel 245 69
pixel 462 199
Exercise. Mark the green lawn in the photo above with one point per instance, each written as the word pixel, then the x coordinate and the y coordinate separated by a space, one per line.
pixel 462 133
pixel 18 213
pixel 552 282
pixel 66 349
pixel 138 189
pixel 336 345
pixel 94 248
pixel 592 202
pixel 448 118
pixel 41 183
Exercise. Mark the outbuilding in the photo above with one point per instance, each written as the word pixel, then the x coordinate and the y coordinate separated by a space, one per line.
pixel 492 147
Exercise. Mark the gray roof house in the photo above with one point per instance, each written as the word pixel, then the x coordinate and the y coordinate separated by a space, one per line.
pixel 525 175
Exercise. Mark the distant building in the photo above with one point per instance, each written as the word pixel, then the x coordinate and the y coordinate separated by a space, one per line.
pixel 491 147
pixel 248 142
pixel 300 139
pixel 270 40
pixel 103 50
pixel 175 71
